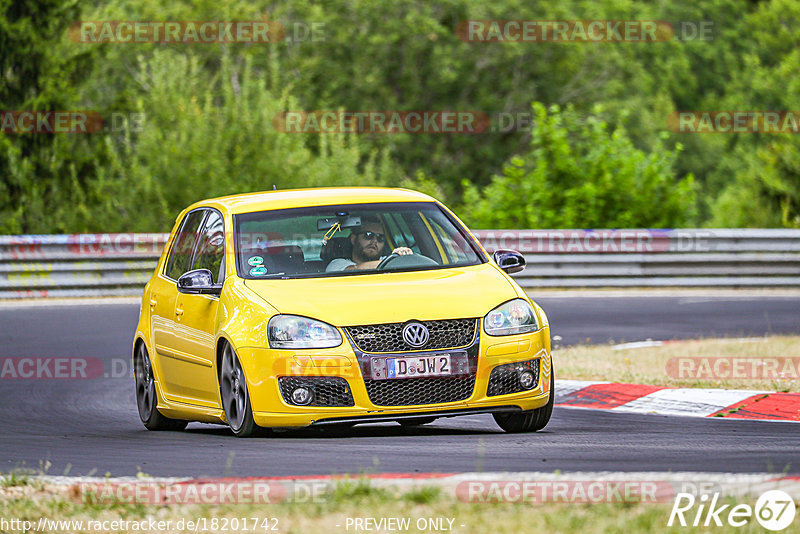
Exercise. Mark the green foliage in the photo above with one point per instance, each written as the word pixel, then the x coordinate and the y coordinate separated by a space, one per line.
pixel 767 192
pixel 39 174
pixel 206 137
pixel 755 176
pixel 423 495
pixel 576 174
pixel 208 112
pixel 347 490
pixel 14 478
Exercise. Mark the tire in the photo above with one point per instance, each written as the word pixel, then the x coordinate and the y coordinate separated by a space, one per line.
pixel 234 396
pixel 147 395
pixel 532 420
pixel 416 421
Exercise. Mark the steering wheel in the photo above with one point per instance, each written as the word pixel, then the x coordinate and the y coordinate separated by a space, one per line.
pixel 386 260
pixel 405 260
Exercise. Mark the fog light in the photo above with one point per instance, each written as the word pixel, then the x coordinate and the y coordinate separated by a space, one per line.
pixel 302 396
pixel 526 379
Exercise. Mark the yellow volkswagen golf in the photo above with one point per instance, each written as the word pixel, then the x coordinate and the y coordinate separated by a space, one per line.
pixel 336 307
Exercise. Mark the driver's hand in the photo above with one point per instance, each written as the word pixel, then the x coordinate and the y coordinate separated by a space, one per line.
pixel 402 251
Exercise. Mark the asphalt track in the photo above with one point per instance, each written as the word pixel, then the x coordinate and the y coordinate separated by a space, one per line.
pixel 86 427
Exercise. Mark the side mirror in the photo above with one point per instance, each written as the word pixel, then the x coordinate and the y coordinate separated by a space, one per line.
pixel 199 282
pixel 510 261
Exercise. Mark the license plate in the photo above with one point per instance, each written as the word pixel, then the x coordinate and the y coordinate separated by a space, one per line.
pixel 412 367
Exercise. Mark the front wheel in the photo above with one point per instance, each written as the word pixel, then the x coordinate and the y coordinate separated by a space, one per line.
pixel 146 396
pixel 532 420
pixel 233 393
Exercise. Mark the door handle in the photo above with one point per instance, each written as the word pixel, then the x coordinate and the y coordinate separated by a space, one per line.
pixel 153 303
pixel 178 311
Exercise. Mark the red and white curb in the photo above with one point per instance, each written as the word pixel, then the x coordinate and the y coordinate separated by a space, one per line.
pixel 695 402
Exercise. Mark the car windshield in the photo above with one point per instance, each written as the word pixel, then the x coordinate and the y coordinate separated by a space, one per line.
pixel 350 239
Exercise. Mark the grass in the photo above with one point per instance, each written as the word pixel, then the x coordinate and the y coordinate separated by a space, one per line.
pixel 15 478
pixel 22 477
pixel 355 499
pixel 650 365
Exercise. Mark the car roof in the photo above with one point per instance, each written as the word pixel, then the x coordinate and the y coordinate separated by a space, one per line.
pixel 322 196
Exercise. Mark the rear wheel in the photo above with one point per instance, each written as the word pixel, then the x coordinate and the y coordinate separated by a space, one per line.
pixel 532 420
pixel 146 396
pixel 235 399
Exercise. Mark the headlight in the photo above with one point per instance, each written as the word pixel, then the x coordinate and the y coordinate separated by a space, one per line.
pixel 295 332
pixel 514 317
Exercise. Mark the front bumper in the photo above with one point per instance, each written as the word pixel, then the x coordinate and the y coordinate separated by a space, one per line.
pixel 263 367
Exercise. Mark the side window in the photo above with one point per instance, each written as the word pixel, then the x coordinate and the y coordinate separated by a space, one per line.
pixel 180 257
pixel 211 247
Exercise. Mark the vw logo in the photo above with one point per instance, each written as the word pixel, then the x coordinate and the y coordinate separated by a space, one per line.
pixel 415 335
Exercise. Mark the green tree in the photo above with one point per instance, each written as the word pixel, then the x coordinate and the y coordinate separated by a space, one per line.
pixel 407 55
pixel 756 177
pixel 388 55
pixel 40 174
pixel 205 137
pixel 766 193
pixel 579 174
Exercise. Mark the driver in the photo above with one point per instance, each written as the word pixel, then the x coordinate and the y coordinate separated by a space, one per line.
pixel 367 241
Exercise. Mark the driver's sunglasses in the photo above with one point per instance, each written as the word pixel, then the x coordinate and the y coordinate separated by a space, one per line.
pixel 380 238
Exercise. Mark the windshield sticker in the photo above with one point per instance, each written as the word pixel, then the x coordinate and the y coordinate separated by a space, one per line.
pixel 255 260
pixel 259 270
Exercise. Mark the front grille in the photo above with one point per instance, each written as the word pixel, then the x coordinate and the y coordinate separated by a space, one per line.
pixel 327 390
pixel 504 379
pixel 388 337
pixel 412 391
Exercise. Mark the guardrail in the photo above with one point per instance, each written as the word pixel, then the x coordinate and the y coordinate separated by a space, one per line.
pixel 653 258
pixel 120 264
pixel 78 265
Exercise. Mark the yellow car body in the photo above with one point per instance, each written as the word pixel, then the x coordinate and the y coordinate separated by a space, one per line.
pixel 185 334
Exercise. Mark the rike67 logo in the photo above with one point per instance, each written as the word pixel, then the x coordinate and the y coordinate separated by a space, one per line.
pixel 774 510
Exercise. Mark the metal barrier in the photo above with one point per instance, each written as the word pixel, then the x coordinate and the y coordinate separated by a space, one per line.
pixel 653 258
pixel 120 264
pixel 78 265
